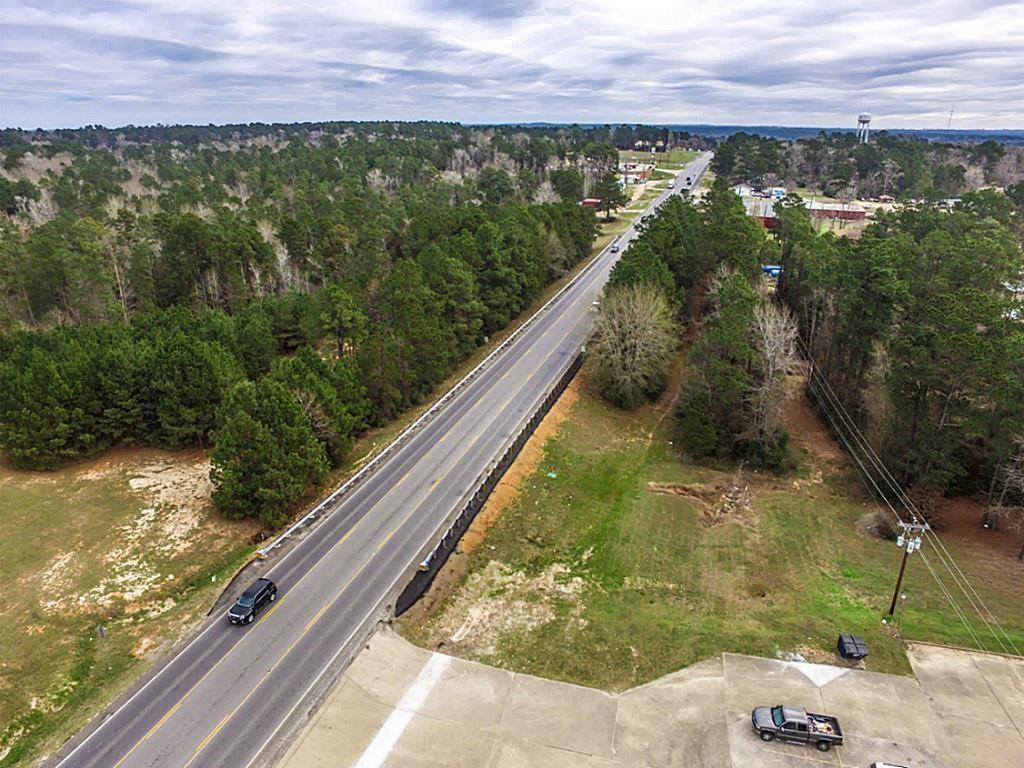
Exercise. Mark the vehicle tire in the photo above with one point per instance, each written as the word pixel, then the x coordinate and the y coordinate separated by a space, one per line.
pixel 251 617
pixel 273 596
pixel 824 746
pixel 767 736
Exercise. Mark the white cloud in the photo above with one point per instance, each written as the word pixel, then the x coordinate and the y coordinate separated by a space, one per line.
pixel 749 61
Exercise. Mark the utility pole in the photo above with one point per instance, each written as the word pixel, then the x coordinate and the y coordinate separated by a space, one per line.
pixel 909 541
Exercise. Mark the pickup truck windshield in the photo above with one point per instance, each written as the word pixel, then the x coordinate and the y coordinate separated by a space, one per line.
pixel 777 716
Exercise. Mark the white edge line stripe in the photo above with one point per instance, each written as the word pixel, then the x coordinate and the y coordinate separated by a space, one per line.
pixel 168 662
pixel 356 631
pixel 412 700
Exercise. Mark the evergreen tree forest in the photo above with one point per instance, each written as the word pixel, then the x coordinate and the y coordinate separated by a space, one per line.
pixel 268 293
pixel 918 327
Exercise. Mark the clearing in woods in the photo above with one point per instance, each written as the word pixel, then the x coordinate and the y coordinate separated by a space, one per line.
pixel 617 562
pixel 674 159
pixel 129 542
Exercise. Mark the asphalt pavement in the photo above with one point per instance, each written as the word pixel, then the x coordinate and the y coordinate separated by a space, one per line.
pixel 232 695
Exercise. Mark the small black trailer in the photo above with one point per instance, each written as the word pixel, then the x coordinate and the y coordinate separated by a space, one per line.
pixel 852 647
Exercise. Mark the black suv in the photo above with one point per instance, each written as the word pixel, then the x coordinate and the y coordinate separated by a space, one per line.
pixel 261 592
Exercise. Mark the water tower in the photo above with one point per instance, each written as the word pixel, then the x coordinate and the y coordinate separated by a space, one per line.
pixel 863 127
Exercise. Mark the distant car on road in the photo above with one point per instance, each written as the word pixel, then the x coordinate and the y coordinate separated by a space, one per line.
pixel 260 593
pixel 797 725
pixel 615 248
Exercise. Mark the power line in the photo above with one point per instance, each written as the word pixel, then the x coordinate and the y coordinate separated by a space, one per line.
pixel 835 410
pixel 943 554
pixel 945 557
pixel 830 414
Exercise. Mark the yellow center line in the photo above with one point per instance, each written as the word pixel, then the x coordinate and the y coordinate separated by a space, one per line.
pixel 163 720
pixel 315 619
pixel 497 411
pixel 264 617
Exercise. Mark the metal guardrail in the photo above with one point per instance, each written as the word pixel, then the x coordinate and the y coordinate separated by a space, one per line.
pixel 485 482
pixel 424 418
pixel 479 491
pixel 429 414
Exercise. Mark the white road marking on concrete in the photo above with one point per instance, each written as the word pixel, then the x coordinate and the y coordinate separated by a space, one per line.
pixel 819 674
pixel 414 697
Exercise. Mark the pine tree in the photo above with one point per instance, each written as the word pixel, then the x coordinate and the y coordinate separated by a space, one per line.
pixel 611 194
pixel 265 453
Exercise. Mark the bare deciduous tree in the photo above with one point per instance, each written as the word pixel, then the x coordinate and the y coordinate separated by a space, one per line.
pixel 775 338
pixel 888 173
pixel 635 339
pixel 1006 509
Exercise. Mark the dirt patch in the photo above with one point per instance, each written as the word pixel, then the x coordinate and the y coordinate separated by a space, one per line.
pixel 143 647
pixel 181 492
pixel 178 512
pixel 58 576
pixel 504 493
pixel 720 503
pixel 805 426
pixel 961 522
pixel 877 524
pixel 704 495
pixel 498 601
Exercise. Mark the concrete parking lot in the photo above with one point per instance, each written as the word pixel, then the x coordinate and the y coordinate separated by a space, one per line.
pixel 405 707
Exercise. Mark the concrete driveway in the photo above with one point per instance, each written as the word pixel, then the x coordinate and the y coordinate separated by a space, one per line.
pixel 405 707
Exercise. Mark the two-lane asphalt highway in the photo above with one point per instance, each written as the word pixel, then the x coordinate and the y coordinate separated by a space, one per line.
pixel 225 696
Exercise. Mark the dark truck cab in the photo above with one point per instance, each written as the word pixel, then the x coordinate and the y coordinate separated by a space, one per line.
pixel 797 725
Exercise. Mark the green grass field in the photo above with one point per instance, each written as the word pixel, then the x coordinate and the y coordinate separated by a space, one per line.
pixel 129 542
pixel 807 194
pixel 673 160
pixel 63 535
pixel 629 584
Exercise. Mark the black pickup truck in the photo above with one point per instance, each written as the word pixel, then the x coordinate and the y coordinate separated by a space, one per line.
pixel 798 725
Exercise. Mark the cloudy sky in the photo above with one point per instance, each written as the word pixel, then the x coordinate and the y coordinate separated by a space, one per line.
pixel 783 62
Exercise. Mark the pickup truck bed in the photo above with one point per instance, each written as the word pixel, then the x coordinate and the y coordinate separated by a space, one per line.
pixel 823 724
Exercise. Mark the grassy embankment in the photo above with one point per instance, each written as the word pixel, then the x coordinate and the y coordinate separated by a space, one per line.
pixel 673 160
pixel 83 532
pixel 128 542
pixel 592 576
